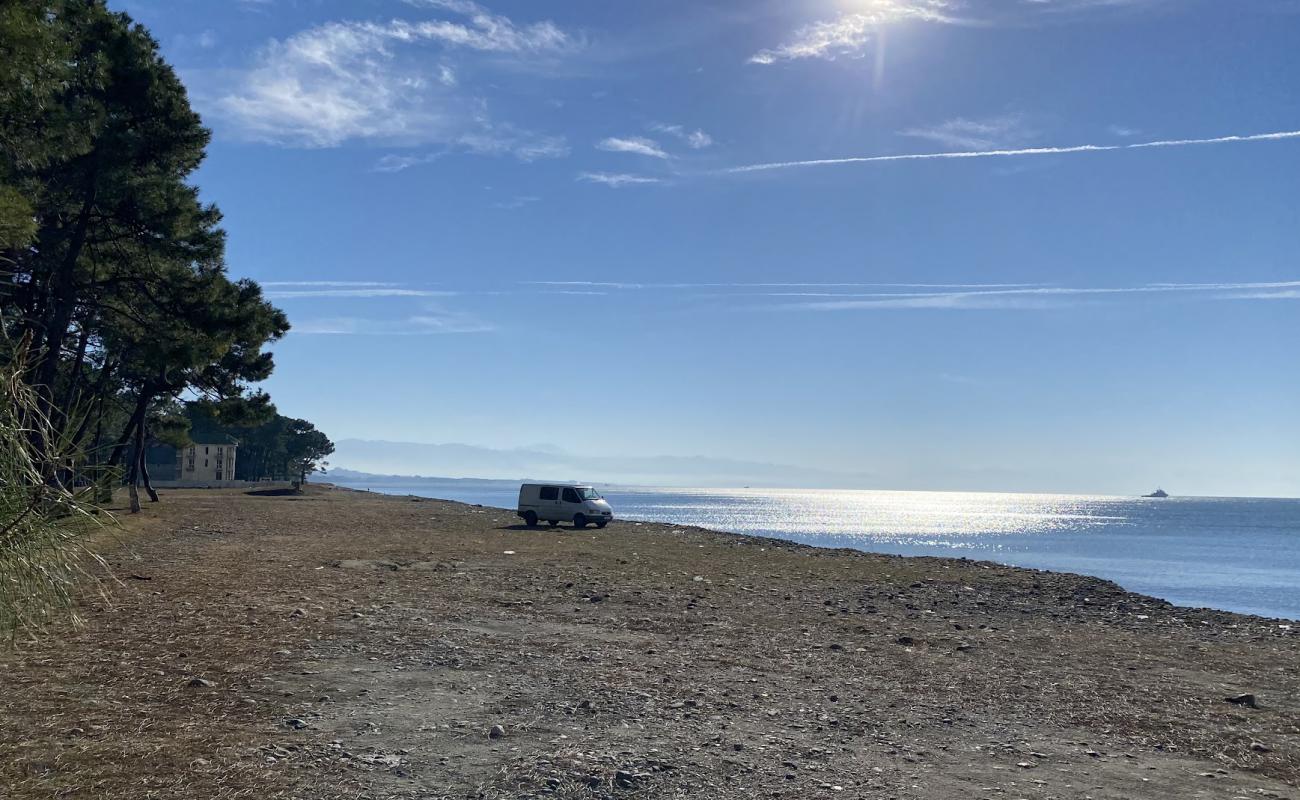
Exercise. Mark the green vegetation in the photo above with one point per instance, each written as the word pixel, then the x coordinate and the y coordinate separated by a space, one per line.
pixel 40 521
pixel 281 448
pixel 116 307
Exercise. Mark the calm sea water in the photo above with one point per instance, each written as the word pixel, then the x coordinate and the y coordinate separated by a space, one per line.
pixel 1229 553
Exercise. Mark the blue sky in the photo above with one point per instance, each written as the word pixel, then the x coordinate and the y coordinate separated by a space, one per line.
pixel 647 229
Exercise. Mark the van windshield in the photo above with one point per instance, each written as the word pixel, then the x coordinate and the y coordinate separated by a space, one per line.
pixel 587 493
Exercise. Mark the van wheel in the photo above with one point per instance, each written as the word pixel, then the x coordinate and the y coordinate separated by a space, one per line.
pixel 530 519
pixel 601 524
pixel 579 520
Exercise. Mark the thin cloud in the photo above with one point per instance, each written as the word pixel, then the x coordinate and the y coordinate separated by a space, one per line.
pixel 1289 294
pixel 295 294
pixel 518 201
pixel 418 325
pixel 326 283
pixel 397 163
pixel 1202 286
pixel 1004 153
pixel 617 180
pixel 849 34
pixel 696 139
pixel 345 81
pixel 430 319
pixel 638 145
pixel 1007 130
pixel 505 139
pixel 1036 297
pixel 755 285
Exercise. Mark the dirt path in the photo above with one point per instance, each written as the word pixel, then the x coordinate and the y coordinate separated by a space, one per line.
pixel 364 647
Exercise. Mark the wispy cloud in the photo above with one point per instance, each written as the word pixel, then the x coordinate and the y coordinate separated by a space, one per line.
pixel 295 294
pixel 397 163
pixel 617 180
pixel 1004 153
pixel 696 139
pixel 1287 294
pixel 1042 296
pixel 419 325
pixel 518 201
pixel 345 81
pixel 813 296
pixel 780 285
pixel 430 319
pixel 326 283
pixel 639 145
pixel 849 34
pixel 504 139
pixel 1001 132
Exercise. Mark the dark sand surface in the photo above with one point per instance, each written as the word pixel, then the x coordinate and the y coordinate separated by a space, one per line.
pixel 345 645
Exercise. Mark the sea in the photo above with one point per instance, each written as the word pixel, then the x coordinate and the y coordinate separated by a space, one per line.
pixel 1234 554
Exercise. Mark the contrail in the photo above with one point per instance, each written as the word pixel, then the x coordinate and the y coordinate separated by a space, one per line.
pixel 1028 151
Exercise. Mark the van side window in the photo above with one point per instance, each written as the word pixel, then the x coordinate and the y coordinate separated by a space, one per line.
pixel 548 493
pixel 571 496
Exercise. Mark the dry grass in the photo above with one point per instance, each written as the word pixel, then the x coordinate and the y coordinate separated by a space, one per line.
pixel 106 709
pixel 41 522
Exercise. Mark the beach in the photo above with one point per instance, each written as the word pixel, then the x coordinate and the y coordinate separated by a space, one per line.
pixel 346 644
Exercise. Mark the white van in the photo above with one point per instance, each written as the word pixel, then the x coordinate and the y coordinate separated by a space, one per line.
pixel 556 503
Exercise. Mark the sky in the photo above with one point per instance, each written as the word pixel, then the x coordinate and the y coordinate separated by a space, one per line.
pixel 1034 245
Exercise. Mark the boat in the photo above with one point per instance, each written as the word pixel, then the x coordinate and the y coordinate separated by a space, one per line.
pixel 1157 493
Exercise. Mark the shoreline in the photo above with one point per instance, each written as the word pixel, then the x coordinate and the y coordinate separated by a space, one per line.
pixel 1283 620
pixel 345 642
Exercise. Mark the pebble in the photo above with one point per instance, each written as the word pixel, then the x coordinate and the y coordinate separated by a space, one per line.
pixel 1247 700
pixel 199 683
pixel 496 732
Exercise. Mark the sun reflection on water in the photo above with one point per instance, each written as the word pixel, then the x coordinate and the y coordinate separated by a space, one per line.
pixel 915 516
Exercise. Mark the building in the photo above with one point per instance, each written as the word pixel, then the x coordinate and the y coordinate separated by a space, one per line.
pixel 205 463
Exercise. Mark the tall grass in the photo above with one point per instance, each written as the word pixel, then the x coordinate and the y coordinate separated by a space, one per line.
pixel 42 521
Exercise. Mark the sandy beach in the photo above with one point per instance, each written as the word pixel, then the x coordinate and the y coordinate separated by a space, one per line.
pixel 349 645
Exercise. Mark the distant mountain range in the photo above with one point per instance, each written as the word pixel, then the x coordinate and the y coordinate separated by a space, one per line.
pixel 391 460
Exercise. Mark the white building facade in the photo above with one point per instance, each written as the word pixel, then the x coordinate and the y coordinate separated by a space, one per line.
pixel 206 463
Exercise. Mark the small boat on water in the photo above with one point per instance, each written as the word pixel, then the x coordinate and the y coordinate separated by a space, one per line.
pixel 1157 493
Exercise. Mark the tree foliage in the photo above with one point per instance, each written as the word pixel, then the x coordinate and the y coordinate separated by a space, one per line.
pixel 279 448
pixel 116 305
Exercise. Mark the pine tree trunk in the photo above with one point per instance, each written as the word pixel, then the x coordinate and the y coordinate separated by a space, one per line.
pixel 142 463
pixel 132 482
